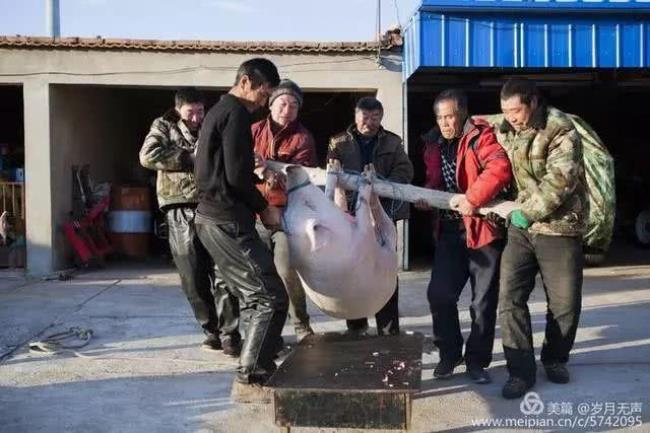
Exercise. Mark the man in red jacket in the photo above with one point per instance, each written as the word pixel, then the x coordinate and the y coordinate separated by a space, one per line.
pixel 281 137
pixel 463 156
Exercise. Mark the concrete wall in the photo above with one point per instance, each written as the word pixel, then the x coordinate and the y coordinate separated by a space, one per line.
pixel 38 175
pixel 57 113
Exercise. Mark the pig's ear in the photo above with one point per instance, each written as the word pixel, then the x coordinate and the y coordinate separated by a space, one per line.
pixel 318 234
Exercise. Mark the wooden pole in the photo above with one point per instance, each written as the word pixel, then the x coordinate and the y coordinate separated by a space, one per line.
pixel 397 191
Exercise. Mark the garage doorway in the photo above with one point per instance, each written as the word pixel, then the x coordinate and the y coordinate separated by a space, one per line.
pixel 613 103
pixel 103 127
pixel 12 177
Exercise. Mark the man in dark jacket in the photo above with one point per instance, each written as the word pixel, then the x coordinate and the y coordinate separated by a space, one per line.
pixel 228 203
pixel 169 149
pixel 281 137
pixel 367 142
pixel 463 156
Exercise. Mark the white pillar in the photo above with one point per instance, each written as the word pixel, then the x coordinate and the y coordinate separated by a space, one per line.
pixel 38 185
pixel 390 95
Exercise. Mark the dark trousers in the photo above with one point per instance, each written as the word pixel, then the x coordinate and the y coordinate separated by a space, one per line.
pixel 216 310
pixel 387 318
pixel 247 267
pixel 559 261
pixel 453 265
pixel 278 243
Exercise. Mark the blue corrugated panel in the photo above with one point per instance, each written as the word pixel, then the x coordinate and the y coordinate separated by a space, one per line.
pixel 541 34
pixel 543 5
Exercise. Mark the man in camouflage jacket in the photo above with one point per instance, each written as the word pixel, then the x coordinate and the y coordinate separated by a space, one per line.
pixel 545 234
pixel 169 149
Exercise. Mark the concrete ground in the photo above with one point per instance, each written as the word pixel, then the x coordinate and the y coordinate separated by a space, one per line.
pixel 144 372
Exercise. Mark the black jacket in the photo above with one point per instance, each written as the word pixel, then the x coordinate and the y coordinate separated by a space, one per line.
pixel 388 157
pixel 224 165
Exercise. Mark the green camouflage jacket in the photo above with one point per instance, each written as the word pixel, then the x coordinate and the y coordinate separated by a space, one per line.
pixel 548 171
pixel 168 148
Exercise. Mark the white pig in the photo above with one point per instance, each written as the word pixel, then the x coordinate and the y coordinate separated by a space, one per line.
pixel 348 265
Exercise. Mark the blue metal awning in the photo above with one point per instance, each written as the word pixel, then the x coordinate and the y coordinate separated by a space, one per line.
pixel 528 34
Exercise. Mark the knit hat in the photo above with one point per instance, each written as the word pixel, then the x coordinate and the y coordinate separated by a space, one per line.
pixel 287 87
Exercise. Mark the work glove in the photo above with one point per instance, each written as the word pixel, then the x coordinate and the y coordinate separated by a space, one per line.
pixel 518 220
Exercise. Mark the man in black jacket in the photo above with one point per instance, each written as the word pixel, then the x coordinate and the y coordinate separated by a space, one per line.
pixel 225 221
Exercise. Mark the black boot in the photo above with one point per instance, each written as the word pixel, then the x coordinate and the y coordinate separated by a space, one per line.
pixel 515 387
pixel 231 347
pixel 478 375
pixel 557 373
pixel 260 346
pixel 445 368
pixel 211 343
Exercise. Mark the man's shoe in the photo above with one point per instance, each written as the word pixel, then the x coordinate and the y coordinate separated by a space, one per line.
pixel 211 343
pixel 445 368
pixel 357 332
pixel 231 348
pixel 391 332
pixel 557 373
pixel 515 387
pixel 479 375
pixel 250 393
pixel 303 331
pixel 279 349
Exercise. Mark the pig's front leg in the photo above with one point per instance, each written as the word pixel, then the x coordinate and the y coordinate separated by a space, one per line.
pixel 331 181
pixel 363 211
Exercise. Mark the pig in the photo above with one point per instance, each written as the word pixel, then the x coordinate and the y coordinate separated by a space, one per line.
pixel 348 265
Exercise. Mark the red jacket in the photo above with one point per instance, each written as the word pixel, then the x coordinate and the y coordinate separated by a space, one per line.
pixel 292 144
pixel 482 171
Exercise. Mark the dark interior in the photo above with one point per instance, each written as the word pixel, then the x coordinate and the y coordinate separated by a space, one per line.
pixel 323 113
pixel 12 164
pixel 614 104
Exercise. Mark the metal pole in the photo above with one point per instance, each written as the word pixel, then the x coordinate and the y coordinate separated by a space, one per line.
pixel 379 32
pixel 378 20
pixel 406 245
pixel 52 18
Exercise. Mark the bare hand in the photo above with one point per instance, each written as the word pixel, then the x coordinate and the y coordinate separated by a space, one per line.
pixel 422 204
pixel 260 162
pixel 334 164
pixel 260 167
pixel 271 217
pixel 275 180
pixel 459 203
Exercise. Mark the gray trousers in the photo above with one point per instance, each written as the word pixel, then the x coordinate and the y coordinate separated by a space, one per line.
pixel 559 261
pixel 279 245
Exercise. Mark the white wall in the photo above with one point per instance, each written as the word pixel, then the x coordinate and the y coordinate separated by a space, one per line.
pixel 57 115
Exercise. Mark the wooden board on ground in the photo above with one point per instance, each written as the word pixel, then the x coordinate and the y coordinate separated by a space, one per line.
pixel 345 381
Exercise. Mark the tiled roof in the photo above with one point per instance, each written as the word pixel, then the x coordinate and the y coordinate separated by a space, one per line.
pixel 198 45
